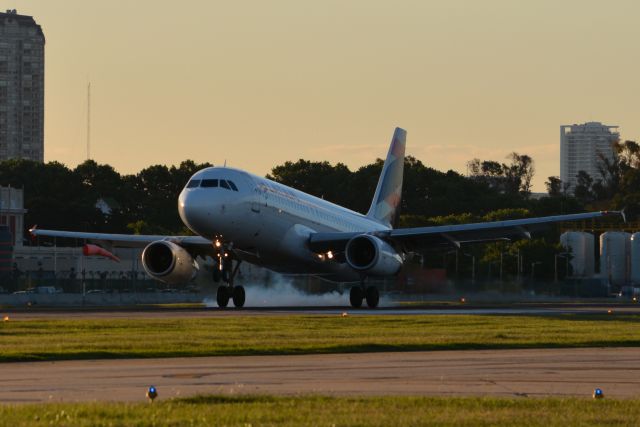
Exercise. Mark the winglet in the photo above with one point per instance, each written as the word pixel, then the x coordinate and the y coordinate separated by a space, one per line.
pixel 621 213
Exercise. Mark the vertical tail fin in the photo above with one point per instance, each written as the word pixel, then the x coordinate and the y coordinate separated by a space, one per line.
pixel 386 201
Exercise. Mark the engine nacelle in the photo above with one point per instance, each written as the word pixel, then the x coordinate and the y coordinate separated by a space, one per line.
pixel 368 254
pixel 169 263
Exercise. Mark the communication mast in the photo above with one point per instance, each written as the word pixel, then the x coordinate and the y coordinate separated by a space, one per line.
pixel 89 121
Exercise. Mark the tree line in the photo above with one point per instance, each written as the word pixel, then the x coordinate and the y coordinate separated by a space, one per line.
pixel 146 203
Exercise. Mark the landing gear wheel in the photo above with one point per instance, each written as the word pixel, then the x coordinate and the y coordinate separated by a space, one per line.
pixel 355 297
pixel 372 296
pixel 238 296
pixel 223 296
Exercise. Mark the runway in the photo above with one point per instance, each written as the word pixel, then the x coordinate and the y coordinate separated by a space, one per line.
pixel 163 312
pixel 520 373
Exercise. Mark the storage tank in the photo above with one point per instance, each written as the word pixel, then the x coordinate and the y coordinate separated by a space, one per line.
pixel 635 259
pixel 580 245
pixel 614 254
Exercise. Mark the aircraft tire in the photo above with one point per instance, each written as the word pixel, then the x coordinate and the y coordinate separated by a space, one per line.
pixel 355 297
pixel 372 296
pixel 239 296
pixel 222 296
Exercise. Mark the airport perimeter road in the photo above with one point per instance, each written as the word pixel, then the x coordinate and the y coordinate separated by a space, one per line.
pixel 535 372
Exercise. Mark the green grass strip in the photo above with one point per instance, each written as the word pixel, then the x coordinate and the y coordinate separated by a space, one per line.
pixel 330 411
pixel 305 334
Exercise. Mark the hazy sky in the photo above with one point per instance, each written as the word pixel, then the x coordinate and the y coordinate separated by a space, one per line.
pixel 257 83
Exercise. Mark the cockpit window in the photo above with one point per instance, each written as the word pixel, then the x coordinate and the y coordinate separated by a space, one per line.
pixel 209 183
pixel 193 183
pixel 224 184
pixel 232 185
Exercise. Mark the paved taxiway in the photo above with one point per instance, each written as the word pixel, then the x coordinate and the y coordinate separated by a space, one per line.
pixel 531 372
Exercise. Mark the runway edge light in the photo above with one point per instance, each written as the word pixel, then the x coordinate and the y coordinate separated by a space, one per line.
pixel 598 394
pixel 152 393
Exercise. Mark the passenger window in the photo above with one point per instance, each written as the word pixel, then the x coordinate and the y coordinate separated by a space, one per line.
pixel 209 183
pixel 193 183
pixel 224 184
pixel 232 185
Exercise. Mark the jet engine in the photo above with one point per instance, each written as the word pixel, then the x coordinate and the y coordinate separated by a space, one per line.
pixel 169 263
pixel 373 256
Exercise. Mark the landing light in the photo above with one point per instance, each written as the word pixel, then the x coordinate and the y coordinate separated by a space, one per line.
pixel 330 255
pixel 218 244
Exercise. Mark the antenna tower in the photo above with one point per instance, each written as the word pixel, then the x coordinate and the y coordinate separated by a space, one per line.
pixel 89 121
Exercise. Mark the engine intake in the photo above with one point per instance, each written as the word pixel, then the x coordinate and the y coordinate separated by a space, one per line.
pixel 372 255
pixel 168 262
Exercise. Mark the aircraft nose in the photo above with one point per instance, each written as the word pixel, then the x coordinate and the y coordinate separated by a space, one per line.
pixel 190 209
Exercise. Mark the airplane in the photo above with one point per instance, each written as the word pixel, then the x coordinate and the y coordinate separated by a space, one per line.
pixel 240 217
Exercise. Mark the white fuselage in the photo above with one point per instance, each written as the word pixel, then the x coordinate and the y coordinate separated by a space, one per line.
pixel 267 223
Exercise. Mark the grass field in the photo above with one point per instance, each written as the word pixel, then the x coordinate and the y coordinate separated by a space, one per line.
pixel 300 334
pixel 330 411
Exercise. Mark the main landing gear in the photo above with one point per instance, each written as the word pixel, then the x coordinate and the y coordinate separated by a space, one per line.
pixel 226 271
pixel 360 293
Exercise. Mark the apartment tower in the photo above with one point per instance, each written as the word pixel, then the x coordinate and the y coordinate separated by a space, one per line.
pixel 581 148
pixel 21 87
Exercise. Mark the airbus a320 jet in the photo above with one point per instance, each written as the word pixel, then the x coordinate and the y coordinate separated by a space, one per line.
pixel 239 217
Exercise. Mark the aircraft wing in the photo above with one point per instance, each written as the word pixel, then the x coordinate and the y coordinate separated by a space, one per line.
pixel 453 235
pixel 121 240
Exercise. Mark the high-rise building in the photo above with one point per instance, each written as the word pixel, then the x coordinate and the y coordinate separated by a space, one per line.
pixel 581 148
pixel 21 87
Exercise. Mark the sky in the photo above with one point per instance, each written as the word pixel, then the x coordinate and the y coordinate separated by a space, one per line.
pixel 257 83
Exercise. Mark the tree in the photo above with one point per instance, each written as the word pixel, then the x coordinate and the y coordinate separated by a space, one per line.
pixel 554 186
pixel 583 190
pixel 519 173
pixel 512 178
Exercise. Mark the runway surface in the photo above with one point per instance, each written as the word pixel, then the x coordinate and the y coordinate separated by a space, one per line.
pixel 162 313
pixel 522 373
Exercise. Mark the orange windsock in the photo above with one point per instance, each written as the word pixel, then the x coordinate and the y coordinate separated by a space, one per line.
pixel 89 250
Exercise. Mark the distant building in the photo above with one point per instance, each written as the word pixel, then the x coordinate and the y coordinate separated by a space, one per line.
pixel 21 87
pixel 581 147
pixel 12 213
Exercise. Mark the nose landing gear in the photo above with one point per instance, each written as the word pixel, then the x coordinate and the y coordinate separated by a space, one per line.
pixel 226 272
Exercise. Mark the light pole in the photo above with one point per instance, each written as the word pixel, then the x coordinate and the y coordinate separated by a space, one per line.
pixel 473 267
pixel 533 268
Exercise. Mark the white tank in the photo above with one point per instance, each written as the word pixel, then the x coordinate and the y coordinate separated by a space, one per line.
pixel 614 253
pixel 635 259
pixel 581 247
